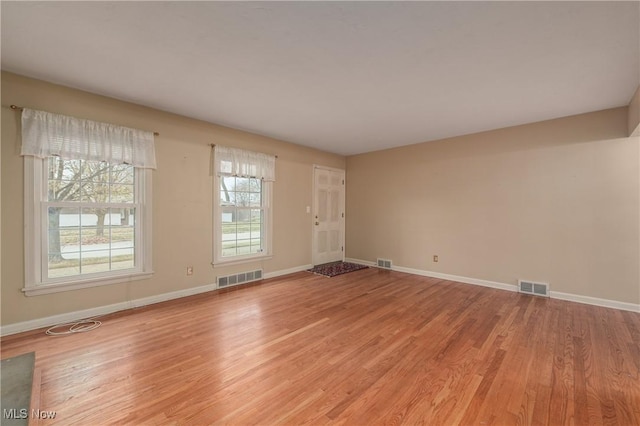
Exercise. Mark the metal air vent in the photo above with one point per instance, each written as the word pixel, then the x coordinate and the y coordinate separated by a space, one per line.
pixel 241 278
pixel 535 288
pixel 384 263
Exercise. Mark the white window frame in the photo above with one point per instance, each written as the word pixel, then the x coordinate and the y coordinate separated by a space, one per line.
pixel 218 259
pixel 35 241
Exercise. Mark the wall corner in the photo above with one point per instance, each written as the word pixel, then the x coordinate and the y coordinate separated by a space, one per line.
pixel 633 120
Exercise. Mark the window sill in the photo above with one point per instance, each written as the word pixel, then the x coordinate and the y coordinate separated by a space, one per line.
pixel 37 290
pixel 240 261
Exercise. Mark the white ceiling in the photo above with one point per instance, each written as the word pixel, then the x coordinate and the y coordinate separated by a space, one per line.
pixel 345 77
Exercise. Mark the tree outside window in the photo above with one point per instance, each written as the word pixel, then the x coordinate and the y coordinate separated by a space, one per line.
pixel 90 216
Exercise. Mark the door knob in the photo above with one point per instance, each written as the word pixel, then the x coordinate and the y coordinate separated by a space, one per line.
pixel 317 223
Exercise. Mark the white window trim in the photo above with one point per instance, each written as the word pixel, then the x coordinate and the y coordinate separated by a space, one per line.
pixel 35 243
pixel 267 191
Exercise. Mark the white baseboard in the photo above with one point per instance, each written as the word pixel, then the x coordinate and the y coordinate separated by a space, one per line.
pixel 360 261
pixel 101 310
pixel 287 271
pixel 606 303
pixel 457 278
pixel 19 327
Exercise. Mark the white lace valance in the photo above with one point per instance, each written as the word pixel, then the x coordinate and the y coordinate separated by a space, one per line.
pixel 242 163
pixel 45 134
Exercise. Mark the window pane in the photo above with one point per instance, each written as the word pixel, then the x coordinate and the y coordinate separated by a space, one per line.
pixel 122 173
pixel 243 196
pixel 63 190
pixel 69 238
pixel 89 239
pixel 92 261
pixel 122 258
pixel 64 268
pixel 256 229
pixel 255 199
pixel 63 179
pixel 95 240
pixel 95 192
pixel 241 216
pixel 63 242
pixel 95 171
pixel 227 191
pixel 127 216
pixel 242 184
pixel 228 215
pixel 228 249
pixel 95 182
pixel 122 236
pixel 121 217
pixel 256 215
pixel 255 185
pixel 64 245
pixel 121 193
pixel 229 232
pixel 99 244
pixel 227 198
pixel 59 169
pixel 244 247
pixel 95 226
pixel 243 199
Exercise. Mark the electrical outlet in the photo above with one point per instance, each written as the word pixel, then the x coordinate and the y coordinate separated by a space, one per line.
pixel 189 270
pixel 435 257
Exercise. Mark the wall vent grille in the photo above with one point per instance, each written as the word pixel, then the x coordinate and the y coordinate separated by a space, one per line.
pixel 531 287
pixel 241 278
pixel 383 263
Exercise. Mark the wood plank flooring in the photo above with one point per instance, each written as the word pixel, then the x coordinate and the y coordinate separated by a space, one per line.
pixel 368 347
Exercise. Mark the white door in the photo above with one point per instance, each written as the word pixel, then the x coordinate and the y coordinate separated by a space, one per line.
pixel 328 215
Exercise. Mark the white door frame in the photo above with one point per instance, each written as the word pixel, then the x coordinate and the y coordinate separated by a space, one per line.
pixel 314 210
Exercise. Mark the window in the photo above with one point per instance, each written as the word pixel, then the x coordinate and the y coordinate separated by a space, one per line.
pixel 242 212
pixel 242 216
pixel 87 220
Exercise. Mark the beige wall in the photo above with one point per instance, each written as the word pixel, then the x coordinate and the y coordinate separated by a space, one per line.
pixel 556 201
pixel 182 204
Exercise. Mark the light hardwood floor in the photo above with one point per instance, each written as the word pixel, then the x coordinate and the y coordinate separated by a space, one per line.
pixel 369 347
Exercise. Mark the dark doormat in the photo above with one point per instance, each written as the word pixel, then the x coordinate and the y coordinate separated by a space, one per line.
pixel 336 268
pixel 16 381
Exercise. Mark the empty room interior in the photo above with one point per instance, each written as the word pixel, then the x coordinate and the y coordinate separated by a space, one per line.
pixel 320 213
